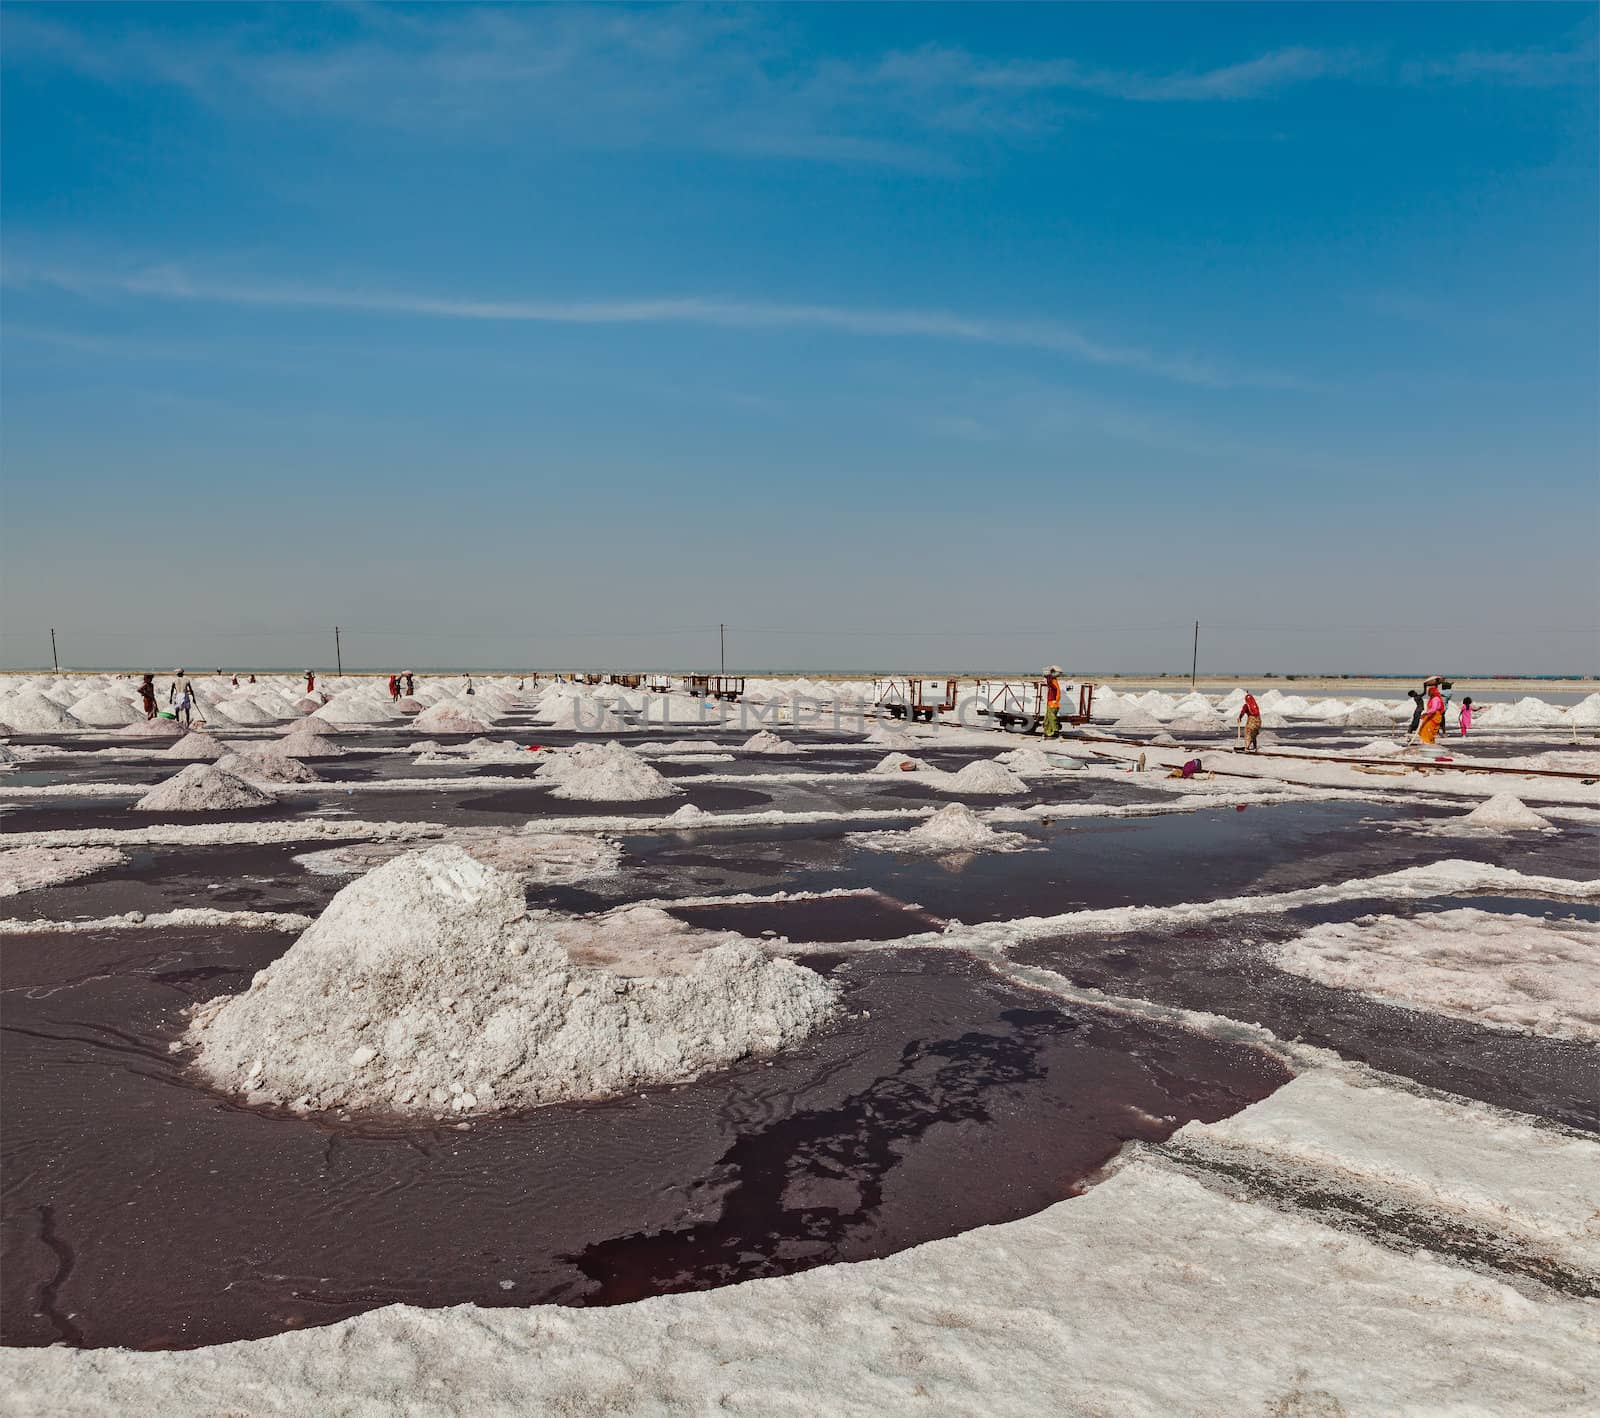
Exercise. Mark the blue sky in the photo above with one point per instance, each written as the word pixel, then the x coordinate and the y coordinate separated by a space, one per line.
pixel 890 335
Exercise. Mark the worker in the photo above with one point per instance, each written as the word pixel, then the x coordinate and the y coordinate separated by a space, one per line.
pixel 1417 707
pixel 1433 716
pixel 394 686
pixel 1052 701
pixel 184 700
pixel 147 693
pixel 1466 715
pixel 1250 717
pixel 311 682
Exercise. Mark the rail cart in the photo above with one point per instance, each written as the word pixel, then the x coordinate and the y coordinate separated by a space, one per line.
pixel 658 684
pixel 1020 704
pixel 727 686
pixel 699 684
pixel 626 681
pixel 914 698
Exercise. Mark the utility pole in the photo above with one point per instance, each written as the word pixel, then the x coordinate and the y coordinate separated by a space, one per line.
pixel 722 642
pixel 338 653
pixel 55 659
pixel 1194 665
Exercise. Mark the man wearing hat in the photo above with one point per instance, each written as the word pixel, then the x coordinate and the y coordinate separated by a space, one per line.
pixel 1052 701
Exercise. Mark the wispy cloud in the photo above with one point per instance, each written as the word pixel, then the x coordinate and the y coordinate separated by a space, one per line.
pixel 171 283
pixel 737 81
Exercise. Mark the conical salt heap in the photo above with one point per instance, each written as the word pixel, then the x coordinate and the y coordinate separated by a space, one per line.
pixel 426 989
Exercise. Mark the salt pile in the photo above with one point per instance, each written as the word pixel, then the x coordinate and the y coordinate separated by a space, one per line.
pixel 1365 714
pixel 30 712
pixel 900 763
pixel 355 708
pixel 765 741
pixel 1526 713
pixel 425 989
pixel 201 787
pixel 197 747
pixel 954 828
pixel 984 778
pixel 1137 720
pixel 306 740
pixel 1504 812
pixel 103 710
pixel 1034 760
pixel 268 767
pixel 1585 714
pixel 157 728
pixel 451 717
pixel 245 712
pixel 605 773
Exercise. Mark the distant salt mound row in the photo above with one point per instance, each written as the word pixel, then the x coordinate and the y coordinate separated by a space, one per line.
pixel 102 710
pixel 1526 973
pixel 28 711
pixel 983 778
pixel 899 763
pixel 425 990
pixel 451 716
pixel 954 828
pixel 267 767
pixel 1504 812
pixel 765 741
pixel 197 747
pixel 202 787
pixel 605 773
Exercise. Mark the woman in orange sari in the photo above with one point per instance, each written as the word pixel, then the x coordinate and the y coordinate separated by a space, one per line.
pixel 1432 716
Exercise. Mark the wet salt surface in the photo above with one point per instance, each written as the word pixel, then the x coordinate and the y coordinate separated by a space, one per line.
pixel 141 1210
pixel 1094 863
pixel 1222 967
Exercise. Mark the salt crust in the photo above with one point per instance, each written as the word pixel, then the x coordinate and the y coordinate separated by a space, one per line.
pixel 32 868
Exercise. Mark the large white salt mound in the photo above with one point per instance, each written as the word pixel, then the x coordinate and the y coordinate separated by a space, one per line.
pixel 765 741
pixel 1504 812
pixel 197 747
pixel 605 773
pixel 103 710
pixel 984 778
pixel 1585 714
pixel 201 787
pixel 425 989
pixel 30 712
pixel 451 716
pixel 1024 761
pixel 268 767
